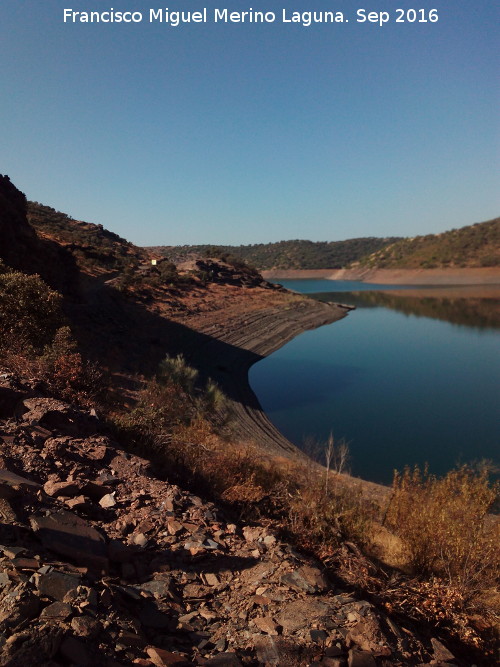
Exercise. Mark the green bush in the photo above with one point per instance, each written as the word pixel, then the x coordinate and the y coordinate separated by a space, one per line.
pixel 172 399
pixel 168 272
pixel 30 312
pixel 175 370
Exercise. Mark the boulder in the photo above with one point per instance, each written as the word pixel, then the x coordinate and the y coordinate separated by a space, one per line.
pixel 69 535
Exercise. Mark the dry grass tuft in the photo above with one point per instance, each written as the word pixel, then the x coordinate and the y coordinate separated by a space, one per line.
pixel 445 528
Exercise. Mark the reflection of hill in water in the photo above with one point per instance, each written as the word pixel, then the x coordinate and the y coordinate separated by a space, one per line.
pixel 453 305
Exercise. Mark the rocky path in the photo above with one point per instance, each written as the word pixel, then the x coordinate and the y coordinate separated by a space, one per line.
pixel 104 564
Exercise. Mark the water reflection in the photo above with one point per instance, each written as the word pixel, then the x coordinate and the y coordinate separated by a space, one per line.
pixel 475 307
pixel 410 377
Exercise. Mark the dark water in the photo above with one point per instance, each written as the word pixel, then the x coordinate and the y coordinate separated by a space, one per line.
pixel 410 376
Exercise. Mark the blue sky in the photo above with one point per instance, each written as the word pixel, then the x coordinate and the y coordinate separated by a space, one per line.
pixel 248 133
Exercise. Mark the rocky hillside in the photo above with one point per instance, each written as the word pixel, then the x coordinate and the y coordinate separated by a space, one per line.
pixel 17 239
pixel 473 246
pixel 104 563
pixel 95 249
pixel 111 287
pixel 21 248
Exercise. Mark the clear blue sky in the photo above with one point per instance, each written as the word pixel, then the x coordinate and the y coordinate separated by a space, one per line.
pixel 247 133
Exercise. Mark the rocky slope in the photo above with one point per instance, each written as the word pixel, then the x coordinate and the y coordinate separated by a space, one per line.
pixel 22 249
pixel 17 239
pixel 102 562
pixel 222 317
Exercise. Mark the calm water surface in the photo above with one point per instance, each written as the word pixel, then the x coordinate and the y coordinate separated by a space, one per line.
pixel 408 377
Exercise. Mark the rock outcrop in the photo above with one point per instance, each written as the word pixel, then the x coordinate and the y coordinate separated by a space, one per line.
pixel 23 250
pixel 18 241
pixel 218 271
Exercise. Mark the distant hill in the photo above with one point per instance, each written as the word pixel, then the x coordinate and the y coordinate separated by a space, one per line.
pixel 473 246
pixel 285 254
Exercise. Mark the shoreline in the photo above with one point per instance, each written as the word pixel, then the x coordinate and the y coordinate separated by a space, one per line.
pixel 457 276
pixel 252 337
pixel 248 338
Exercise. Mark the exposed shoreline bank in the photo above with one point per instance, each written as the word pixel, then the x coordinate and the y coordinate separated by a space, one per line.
pixel 250 338
pixel 455 276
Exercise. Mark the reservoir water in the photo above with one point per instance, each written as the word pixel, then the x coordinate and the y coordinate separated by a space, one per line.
pixel 411 376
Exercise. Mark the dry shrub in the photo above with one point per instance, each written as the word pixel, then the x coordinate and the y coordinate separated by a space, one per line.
pixel 324 518
pixel 34 342
pixel 60 370
pixel 236 473
pixel 67 374
pixel 296 497
pixel 438 605
pixel 444 525
pixel 160 407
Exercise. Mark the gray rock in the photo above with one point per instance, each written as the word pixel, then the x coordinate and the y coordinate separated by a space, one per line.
pixel 368 636
pixel 308 579
pixel 57 611
pixel 267 652
pixel 10 483
pixel 162 658
pixel 266 624
pixel 139 539
pixel 360 659
pixel 302 613
pixel 69 535
pixel 86 626
pixel 57 488
pixel 441 653
pixel 32 647
pixel 108 501
pixel 20 604
pixel 318 636
pixel 56 584
pixel 160 587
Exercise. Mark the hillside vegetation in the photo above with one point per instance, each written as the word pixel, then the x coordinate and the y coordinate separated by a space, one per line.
pixel 285 254
pixel 472 246
pixel 469 247
pixel 94 248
